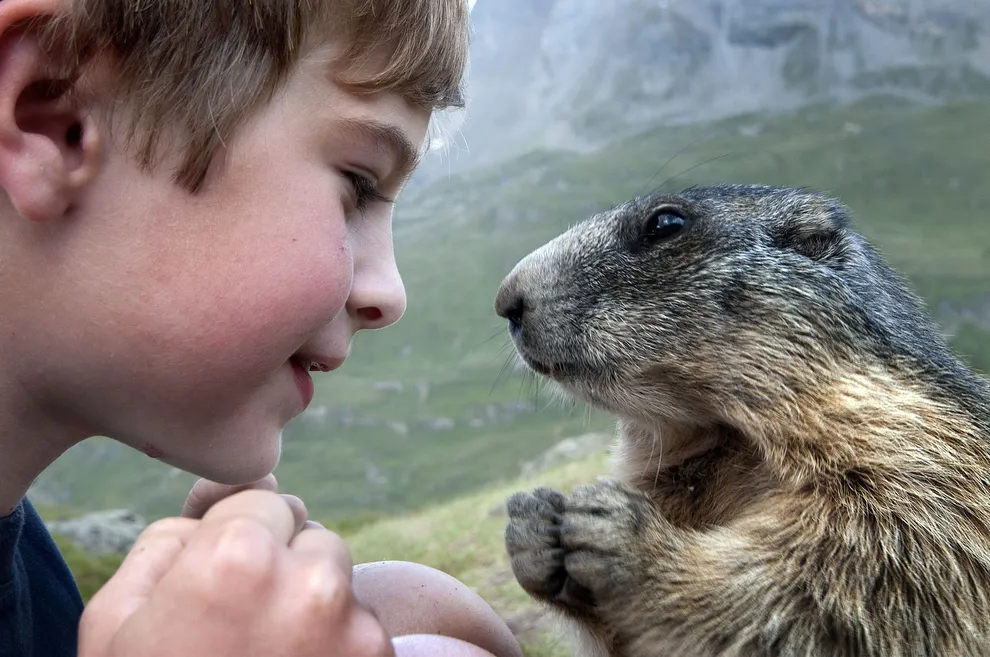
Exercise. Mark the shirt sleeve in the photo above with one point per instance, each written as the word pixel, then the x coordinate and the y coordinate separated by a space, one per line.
pixel 40 605
pixel 15 600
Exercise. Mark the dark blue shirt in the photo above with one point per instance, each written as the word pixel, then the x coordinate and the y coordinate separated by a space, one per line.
pixel 40 604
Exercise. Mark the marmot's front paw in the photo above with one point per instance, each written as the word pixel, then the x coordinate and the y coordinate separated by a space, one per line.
pixel 576 550
pixel 532 539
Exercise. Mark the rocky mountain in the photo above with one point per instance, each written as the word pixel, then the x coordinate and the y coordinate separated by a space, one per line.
pixel 573 74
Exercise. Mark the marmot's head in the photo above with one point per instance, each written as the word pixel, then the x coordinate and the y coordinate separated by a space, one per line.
pixel 672 307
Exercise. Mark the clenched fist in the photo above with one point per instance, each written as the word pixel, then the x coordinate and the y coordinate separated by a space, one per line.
pixel 241 581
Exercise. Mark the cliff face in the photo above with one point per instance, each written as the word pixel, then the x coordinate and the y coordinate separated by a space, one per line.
pixel 573 73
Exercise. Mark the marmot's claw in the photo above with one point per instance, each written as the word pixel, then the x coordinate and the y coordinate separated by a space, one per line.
pixel 573 550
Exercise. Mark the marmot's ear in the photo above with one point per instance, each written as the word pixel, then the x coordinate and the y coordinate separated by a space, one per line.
pixel 815 227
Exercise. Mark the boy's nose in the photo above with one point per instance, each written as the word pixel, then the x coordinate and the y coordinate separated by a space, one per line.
pixel 378 299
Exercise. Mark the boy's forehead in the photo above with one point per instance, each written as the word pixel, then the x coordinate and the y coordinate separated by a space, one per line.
pixel 387 116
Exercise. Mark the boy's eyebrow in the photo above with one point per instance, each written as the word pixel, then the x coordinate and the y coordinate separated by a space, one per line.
pixel 388 138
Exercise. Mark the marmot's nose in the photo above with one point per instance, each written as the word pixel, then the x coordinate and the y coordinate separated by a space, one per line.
pixel 510 302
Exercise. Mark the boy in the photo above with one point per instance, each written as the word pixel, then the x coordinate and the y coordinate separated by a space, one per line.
pixel 196 214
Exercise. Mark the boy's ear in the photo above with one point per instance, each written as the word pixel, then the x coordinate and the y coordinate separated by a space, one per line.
pixel 49 149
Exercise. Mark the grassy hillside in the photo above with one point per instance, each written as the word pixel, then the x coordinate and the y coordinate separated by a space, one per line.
pixel 424 412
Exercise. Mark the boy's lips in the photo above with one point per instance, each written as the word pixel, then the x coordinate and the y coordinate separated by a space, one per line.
pixel 302 366
pixel 304 382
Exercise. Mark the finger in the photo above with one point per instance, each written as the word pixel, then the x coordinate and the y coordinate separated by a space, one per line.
pixel 327 545
pixel 365 631
pixel 206 493
pixel 299 512
pixel 149 559
pixel 265 508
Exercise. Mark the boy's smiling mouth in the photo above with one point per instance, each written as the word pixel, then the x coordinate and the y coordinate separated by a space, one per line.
pixel 301 367
pixel 308 364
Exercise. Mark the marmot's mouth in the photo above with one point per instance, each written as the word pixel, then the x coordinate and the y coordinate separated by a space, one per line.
pixel 557 371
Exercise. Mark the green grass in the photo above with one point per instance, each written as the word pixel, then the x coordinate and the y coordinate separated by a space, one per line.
pixel 914 177
pixel 90 572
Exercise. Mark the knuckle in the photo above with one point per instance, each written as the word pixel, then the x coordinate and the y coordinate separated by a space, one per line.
pixel 325 590
pixel 244 552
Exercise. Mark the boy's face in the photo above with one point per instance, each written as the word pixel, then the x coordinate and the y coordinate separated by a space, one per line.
pixel 182 324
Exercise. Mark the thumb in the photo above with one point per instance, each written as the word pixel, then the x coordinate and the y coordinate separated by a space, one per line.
pixel 152 555
pixel 206 493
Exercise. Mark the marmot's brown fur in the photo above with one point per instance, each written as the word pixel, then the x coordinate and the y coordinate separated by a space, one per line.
pixel 803 465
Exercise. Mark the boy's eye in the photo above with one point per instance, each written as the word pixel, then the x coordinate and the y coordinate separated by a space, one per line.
pixel 365 191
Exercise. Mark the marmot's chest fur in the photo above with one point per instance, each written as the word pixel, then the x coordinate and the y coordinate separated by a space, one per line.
pixel 705 489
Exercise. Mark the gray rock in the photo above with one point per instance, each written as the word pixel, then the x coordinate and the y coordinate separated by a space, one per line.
pixel 103 532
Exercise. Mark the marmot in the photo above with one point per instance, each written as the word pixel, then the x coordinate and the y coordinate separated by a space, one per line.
pixel 803 464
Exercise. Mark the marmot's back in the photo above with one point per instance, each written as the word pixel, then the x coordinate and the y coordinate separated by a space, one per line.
pixel 791 417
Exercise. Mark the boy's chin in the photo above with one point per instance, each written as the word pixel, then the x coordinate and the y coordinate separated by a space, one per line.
pixel 233 466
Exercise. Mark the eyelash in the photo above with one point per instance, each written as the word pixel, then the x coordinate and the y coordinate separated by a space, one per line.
pixel 365 191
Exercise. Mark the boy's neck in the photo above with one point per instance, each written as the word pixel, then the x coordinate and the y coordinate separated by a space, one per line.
pixel 27 448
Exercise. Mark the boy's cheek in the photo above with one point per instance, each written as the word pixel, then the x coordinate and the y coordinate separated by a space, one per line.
pixel 254 317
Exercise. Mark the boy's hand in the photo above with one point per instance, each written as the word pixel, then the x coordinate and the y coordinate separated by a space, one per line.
pixel 241 582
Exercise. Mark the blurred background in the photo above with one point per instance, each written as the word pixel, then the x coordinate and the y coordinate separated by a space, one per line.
pixel 573 106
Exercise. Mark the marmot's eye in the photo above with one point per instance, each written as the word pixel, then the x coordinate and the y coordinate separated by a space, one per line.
pixel 662 224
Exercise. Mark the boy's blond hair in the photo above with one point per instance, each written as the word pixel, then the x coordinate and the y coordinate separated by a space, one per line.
pixel 202 66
